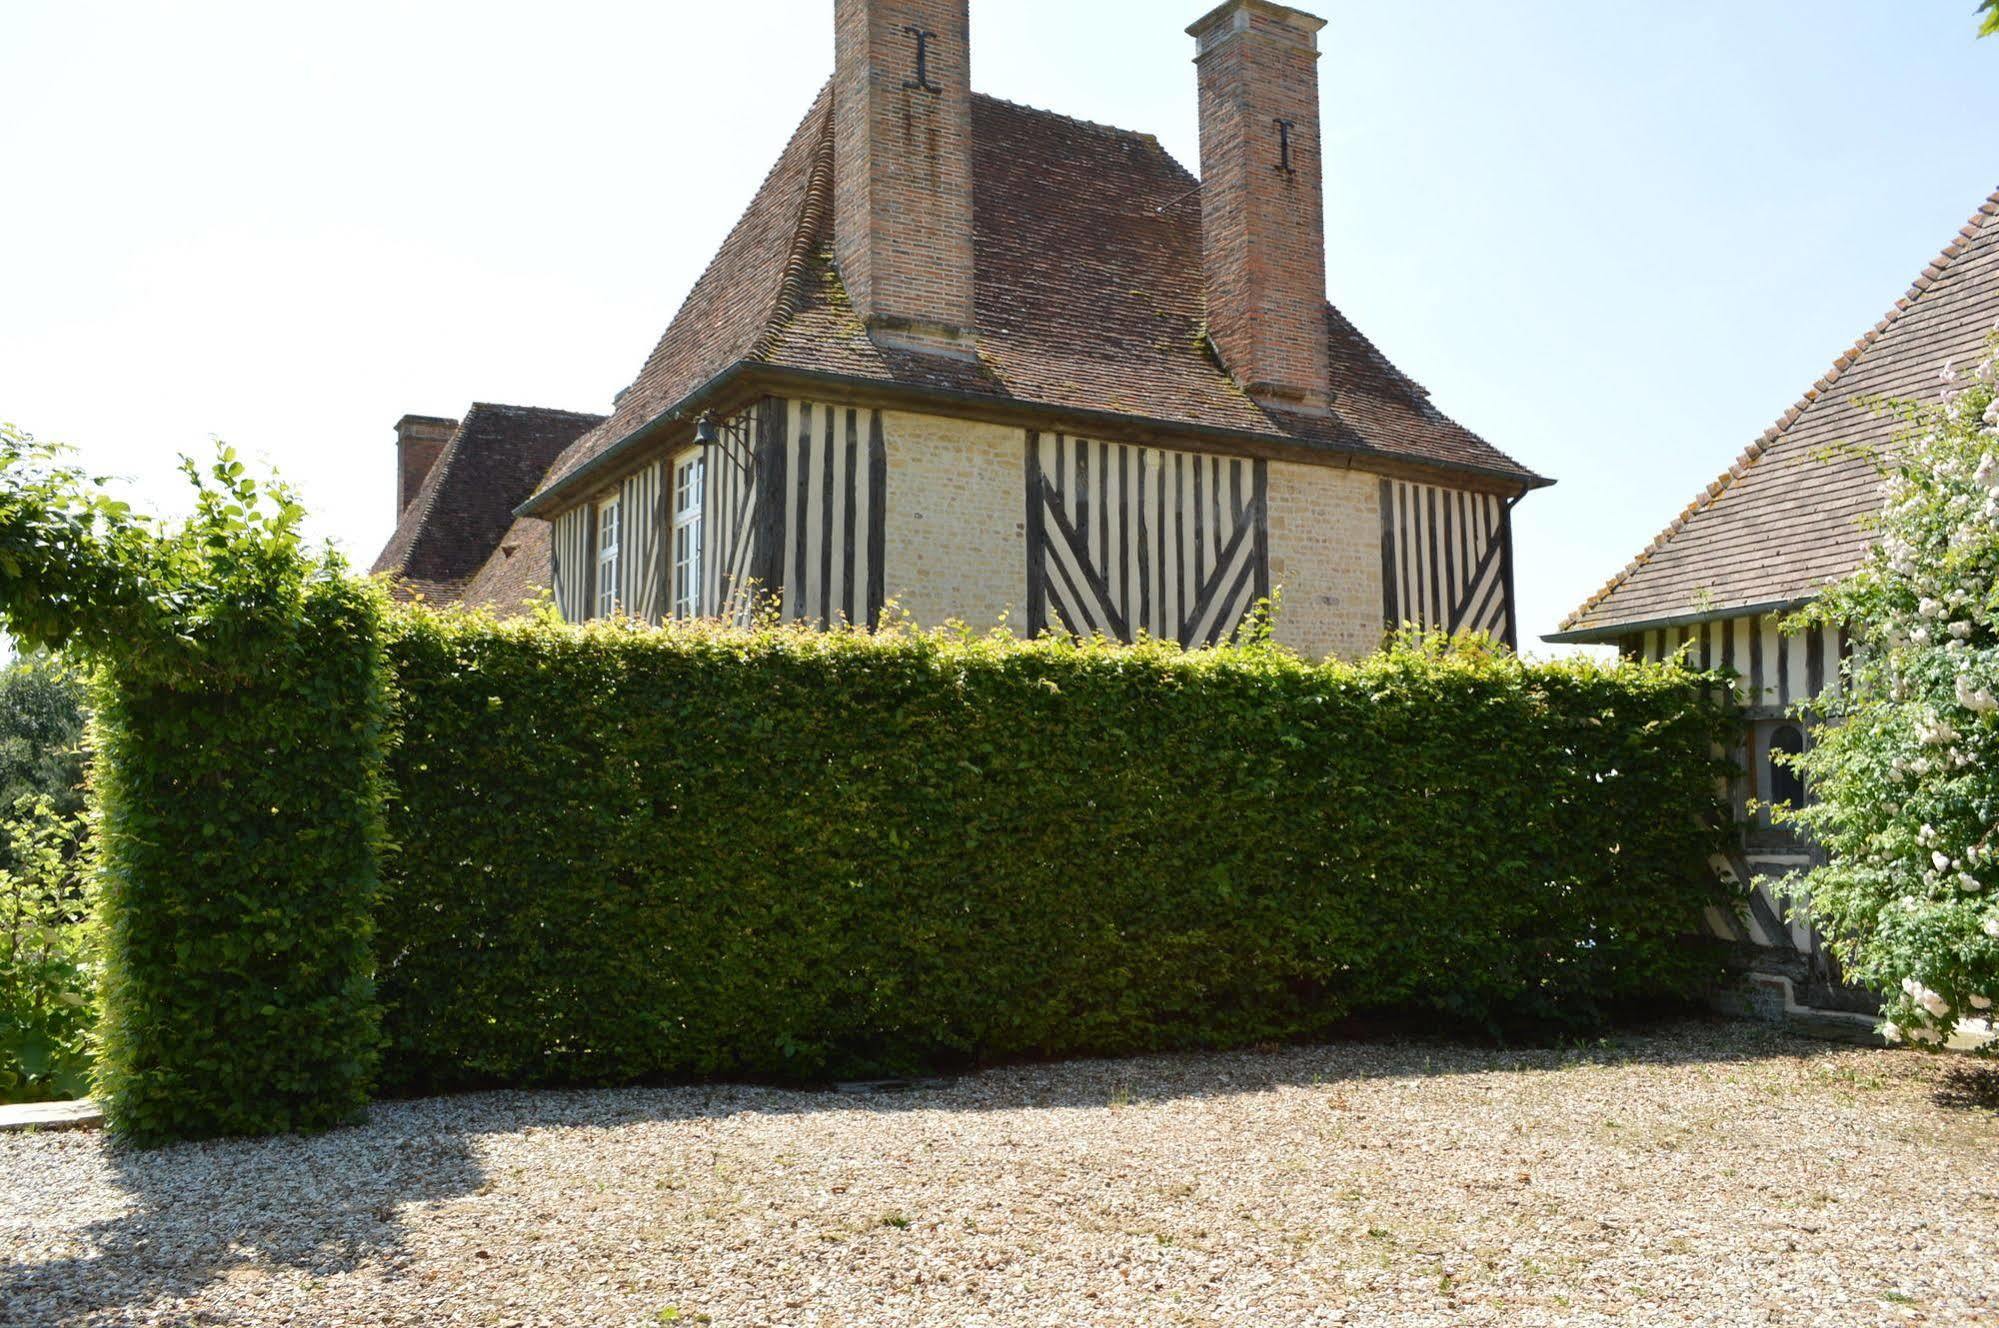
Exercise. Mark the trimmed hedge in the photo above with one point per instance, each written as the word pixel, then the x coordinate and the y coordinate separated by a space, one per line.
pixel 696 851
pixel 623 853
pixel 239 835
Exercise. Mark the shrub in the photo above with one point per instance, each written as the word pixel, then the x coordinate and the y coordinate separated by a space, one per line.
pixel 702 851
pixel 698 851
pixel 1906 771
pixel 239 725
pixel 239 822
pixel 45 974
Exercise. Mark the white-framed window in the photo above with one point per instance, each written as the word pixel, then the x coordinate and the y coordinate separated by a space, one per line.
pixel 690 477
pixel 609 531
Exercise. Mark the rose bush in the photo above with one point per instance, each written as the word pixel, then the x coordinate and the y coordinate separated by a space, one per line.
pixel 1906 765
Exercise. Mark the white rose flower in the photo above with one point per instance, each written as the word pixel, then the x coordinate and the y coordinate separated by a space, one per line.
pixel 1975 698
pixel 1891 1032
pixel 1981 1002
pixel 1935 733
pixel 1923 996
pixel 1941 860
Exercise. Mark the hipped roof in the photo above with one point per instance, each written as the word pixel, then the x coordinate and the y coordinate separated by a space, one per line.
pixel 1088 298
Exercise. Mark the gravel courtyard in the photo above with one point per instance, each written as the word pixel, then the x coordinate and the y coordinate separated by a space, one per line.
pixel 1705 1174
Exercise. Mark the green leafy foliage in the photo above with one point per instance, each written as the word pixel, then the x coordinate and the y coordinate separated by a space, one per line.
pixel 239 821
pixel 698 851
pixel 46 985
pixel 620 853
pixel 75 562
pixel 239 724
pixel 1906 768
pixel 41 738
pixel 1988 22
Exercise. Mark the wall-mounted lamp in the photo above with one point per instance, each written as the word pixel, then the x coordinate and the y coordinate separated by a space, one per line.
pixel 732 442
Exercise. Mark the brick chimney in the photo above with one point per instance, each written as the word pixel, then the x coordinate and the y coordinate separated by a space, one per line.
pixel 420 440
pixel 902 115
pixel 1262 202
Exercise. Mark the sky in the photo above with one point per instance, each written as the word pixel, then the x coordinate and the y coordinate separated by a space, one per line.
pixel 1616 239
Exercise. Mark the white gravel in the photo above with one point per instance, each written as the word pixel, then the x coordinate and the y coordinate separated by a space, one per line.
pixel 1714 1174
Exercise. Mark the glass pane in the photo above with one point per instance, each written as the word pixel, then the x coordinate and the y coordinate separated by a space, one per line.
pixel 1786 784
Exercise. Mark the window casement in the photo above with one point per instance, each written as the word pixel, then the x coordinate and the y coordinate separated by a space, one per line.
pixel 689 484
pixel 1785 783
pixel 609 561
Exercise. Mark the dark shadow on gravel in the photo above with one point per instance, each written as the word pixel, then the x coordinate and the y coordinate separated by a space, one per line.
pixel 1151 1078
pixel 1969 1088
pixel 287 1210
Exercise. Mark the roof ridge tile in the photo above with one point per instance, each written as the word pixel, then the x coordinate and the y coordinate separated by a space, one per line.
pixel 1110 130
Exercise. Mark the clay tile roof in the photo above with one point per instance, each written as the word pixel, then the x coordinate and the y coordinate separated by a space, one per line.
pixel 1088 295
pixel 459 517
pixel 1785 520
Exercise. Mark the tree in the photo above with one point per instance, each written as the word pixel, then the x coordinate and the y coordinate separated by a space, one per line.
pixel 41 737
pixel 1990 23
pixel 1907 763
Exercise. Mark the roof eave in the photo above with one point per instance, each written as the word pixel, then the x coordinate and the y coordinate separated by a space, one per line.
pixel 612 458
pixel 1605 634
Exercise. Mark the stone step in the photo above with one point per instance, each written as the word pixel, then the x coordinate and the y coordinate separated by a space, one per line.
pixel 82 1114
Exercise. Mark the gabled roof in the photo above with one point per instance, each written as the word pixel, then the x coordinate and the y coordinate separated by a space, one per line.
pixel 465 505
pixel 1088 299
pixel 1786 519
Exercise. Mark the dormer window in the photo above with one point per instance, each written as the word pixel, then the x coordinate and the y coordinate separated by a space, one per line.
pixel 608 558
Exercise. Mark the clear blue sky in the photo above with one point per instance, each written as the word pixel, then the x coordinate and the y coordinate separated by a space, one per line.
pixel 1617 239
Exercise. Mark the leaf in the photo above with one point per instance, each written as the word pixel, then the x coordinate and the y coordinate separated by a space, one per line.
pixel 35 1054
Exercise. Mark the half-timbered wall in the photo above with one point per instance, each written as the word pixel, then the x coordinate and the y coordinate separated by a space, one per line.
pixel 1446 559
pixel 727 505
pixel 830 511
pixel 1776 671
pixel 1128 540
pixel 822 482
pixel 641 590
pixel 792 511
pixel 572 536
